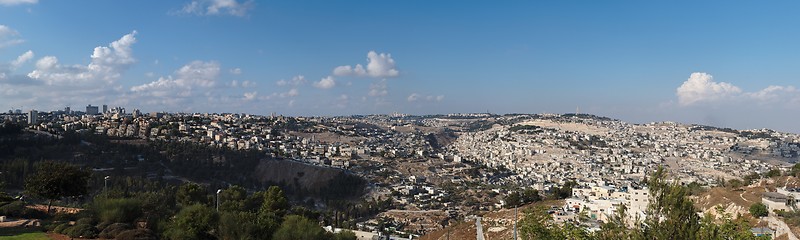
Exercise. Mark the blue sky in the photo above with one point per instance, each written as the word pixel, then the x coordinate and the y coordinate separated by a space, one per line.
pixel 724 63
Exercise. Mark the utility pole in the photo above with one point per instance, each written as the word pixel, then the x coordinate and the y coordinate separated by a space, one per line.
pixel 516 204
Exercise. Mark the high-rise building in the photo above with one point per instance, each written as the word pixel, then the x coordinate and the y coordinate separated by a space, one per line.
pixel 91 110
pixel 67 110
pixel 105 108
pixel 33 117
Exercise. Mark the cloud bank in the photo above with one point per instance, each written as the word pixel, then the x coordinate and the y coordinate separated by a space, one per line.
pixel 701 89
pixel 378 66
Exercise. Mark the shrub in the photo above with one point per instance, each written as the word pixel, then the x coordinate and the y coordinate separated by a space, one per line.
pixel 111 231
pixel 759 210
pixel 81 231
pixel 117 210
pixel 18 209
pixel 87 221
pixel 136 234
pixel 61 227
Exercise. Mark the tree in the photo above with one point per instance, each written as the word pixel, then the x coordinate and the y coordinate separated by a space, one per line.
pixel 239 225
pixel 795 171
pixel 54 180
pixel 670 212
pixel 512 199
pixel 345 235
pixel 537 224
pixel 299 228
pixel 117 210
pixel 773 173
pixel 232 199
pixel 758 210
pixel 191 193
pixel 193 222
pixel 532 195
pixel 275 201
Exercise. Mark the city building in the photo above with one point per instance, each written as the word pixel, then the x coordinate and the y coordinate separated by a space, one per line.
pixel 91 110
pixel 33 117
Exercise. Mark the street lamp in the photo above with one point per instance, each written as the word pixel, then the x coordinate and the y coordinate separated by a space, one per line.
pixel 105 183
pixel 218 191
pixel 518 199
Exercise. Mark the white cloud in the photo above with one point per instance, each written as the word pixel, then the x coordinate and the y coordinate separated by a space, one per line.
pixel 248 84
pixel 236 71
pixel 217 7
pixel 296 81
pixel 325 83
pixel 378 89
pixel 413 97
pixel 700 87
pixel 291 93
pixel 250 96
pixel 107 65
pixel 22 59
pixel 9 36
pixel 192 75
pixel 378 66
pixel 430 98
pixel 17 2
pixel 775 94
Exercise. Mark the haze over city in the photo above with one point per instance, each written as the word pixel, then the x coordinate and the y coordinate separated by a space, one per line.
pixel 708 63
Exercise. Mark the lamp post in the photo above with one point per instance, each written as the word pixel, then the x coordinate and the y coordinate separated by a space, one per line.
pixel 518 199
pixel 218 191
pixel 105 183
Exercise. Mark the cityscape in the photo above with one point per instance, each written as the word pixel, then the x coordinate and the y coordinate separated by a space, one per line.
pixel 398 120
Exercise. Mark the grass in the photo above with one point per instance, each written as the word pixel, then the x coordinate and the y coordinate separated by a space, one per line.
pixel 22 234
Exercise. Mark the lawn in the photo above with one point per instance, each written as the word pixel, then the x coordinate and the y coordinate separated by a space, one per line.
pixel 22 234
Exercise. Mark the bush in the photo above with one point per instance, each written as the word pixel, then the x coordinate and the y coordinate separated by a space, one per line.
pixel 758 210
pixel 61 227
pixel 81 231
pixel 117 210
pixel 63 216
pixel 111 231
pixel 17 209
pixel 87 221
pixel 136 234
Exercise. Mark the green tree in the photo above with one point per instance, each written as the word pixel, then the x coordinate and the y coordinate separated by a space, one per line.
pixel 54 180
pixel 191 193
pixel 512 199
pixel 275 201
pixel 193 222
pixel 117 210
pixel 345 235
pixel 617 226
pixel 795 171
pixel 232 199
pixel 537 224
pixel 532 195
pixel 773 173
pixel 758 210
pixel 299 228
pixel 670 213
pixel 239 226
pixel 723 227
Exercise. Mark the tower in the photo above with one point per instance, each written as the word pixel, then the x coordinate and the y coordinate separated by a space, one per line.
pixel 33 117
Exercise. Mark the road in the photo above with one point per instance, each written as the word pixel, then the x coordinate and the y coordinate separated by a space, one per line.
pixel 479 228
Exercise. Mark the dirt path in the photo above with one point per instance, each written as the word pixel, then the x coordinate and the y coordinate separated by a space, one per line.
pixel 780 227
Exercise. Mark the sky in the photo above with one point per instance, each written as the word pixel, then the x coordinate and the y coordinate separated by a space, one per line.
pixel 720 63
